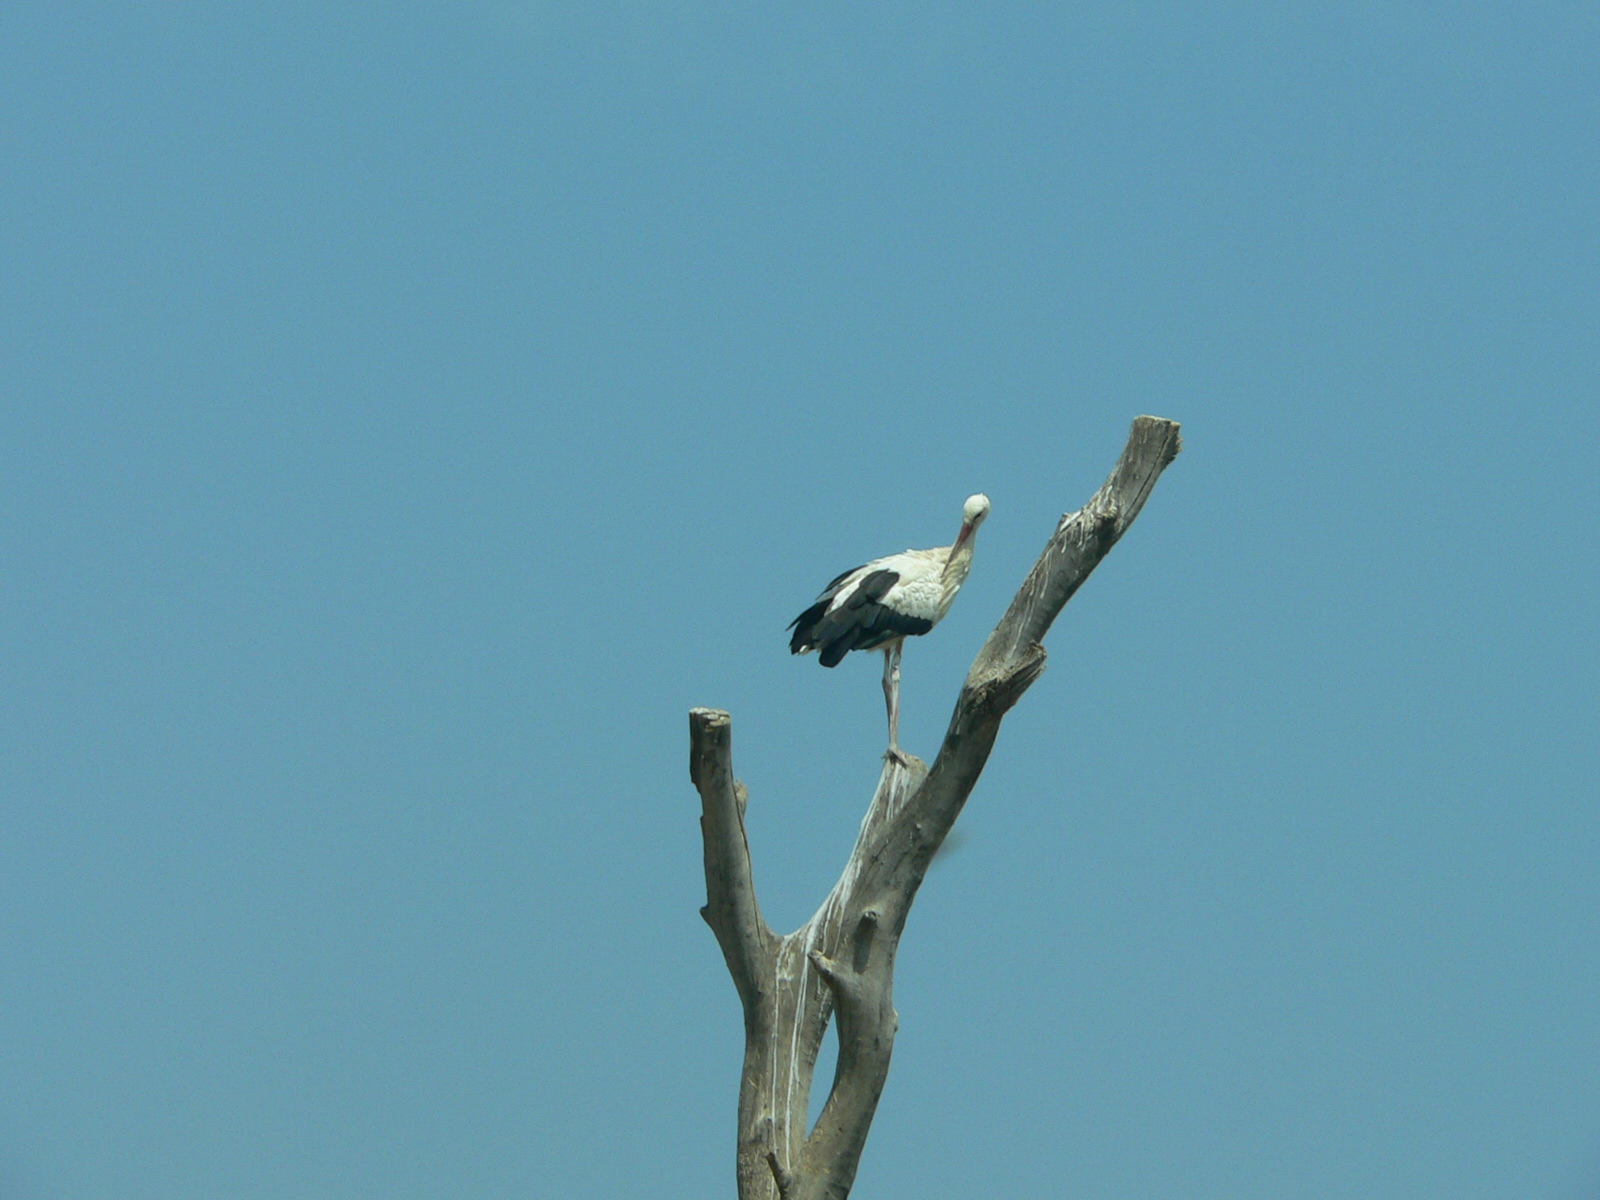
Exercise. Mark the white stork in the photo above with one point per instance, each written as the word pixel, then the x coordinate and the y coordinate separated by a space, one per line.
pixel 879 605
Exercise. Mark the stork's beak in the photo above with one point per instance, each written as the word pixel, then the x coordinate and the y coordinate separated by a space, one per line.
pixel 961 538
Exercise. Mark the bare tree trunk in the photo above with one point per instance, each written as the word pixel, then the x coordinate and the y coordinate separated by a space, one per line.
pixel 842 960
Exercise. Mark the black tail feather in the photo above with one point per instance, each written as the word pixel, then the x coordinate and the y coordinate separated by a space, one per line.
pixel 805 628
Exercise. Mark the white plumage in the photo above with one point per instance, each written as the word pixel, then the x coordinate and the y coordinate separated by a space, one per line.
pixel 887 600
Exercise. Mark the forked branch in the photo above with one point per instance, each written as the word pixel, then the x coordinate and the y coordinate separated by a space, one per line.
pixel 842 960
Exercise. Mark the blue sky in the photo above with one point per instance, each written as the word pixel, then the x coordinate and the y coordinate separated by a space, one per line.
pixel 407 413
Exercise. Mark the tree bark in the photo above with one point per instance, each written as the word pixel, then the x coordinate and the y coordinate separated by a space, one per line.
pixel 841 962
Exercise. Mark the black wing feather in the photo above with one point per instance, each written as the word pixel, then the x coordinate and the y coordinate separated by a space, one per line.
pixel 860 623
pixel 821 602
pixel 872 588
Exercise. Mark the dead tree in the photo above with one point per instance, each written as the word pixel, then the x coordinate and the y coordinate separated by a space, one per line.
pixel 842 960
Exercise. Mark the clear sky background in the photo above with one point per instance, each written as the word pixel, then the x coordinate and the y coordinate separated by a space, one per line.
pixel 410 412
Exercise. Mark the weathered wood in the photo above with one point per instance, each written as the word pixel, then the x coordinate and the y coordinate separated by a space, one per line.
pixel 731 908
pixel 841 962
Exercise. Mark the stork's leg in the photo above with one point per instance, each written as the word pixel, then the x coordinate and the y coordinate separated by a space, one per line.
pixel 891 696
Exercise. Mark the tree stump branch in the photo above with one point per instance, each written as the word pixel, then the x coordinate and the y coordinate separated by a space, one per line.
pixel 841 962
pixel 731 908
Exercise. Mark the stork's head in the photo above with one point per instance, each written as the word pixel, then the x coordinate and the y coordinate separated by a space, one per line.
pixel 972 514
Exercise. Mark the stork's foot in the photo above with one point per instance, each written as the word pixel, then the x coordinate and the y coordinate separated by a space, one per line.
pixel 896 755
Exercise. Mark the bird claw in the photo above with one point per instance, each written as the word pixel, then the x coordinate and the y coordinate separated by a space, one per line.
pixel 896 755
